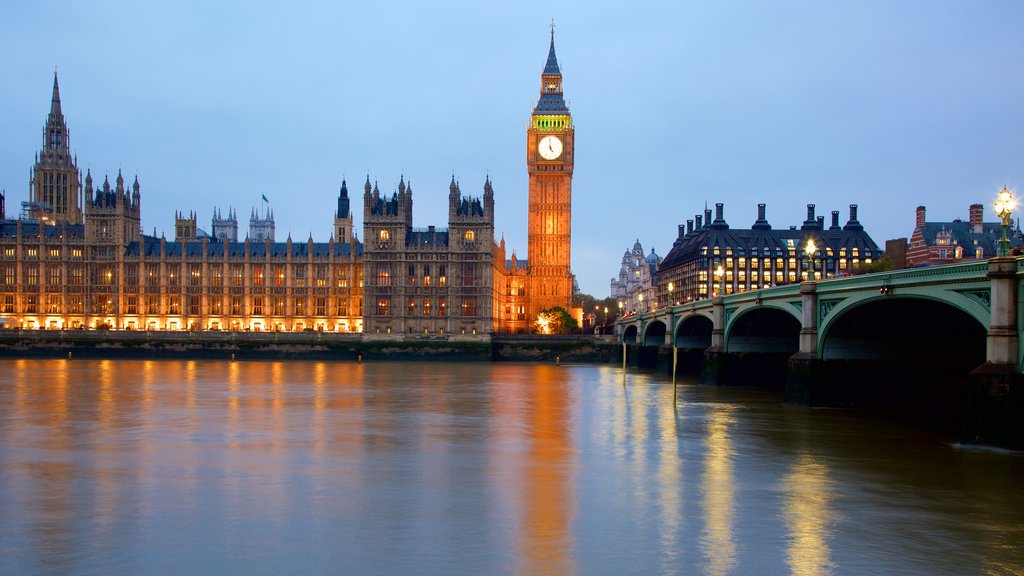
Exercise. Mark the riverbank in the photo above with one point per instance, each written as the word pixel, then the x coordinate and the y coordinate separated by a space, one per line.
pixel 303 345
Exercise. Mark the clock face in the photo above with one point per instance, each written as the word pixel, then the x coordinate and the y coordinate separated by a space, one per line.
pixel 549 147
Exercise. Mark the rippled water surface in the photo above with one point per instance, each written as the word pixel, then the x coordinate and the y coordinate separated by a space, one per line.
pixel 208 467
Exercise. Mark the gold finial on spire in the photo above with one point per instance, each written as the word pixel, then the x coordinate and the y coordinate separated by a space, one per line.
pixel 552 29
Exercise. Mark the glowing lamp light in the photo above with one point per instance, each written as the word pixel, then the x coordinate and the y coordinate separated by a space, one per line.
pixel 1005 205
pixel 811 248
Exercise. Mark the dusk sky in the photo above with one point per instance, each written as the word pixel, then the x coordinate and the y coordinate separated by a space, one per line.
pixel 886 104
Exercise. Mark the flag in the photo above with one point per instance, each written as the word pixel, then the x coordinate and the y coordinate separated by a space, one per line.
pixel 265 199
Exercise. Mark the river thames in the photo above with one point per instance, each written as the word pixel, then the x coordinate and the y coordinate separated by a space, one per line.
pixel 210 467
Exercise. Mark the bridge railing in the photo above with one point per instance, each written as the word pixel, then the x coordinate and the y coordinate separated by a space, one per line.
pixel 969 271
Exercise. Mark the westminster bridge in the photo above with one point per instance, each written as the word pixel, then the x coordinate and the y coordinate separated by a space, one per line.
pixel 939 342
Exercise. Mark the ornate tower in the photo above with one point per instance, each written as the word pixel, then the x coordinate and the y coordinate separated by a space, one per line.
pixel 55 186
pixel 224 229
pixel 343 217
pixel 549 160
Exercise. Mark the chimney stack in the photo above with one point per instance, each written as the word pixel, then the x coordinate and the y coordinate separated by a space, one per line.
pixel 977 213
pixel 835 220
pixel 719 210
pixel 699 223
pixel 689 226
pixel 811 223
pixel 707 216
pixel 682 231
pixel 760 212
pixel 919 221
pixel 853 225
pixel 821 222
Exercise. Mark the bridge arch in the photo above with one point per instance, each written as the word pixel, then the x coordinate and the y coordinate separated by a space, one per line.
pixel 630 334
pixel 904 326
pixel 693 332
pixel 654 333
pixel 766 329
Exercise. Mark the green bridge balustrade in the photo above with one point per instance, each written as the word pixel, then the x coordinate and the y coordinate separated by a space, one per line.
pixel 844 341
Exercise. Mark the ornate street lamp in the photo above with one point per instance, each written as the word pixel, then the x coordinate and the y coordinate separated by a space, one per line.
pixel 670 289
pixel 719 272
pixel 1005 203
pixel 810 249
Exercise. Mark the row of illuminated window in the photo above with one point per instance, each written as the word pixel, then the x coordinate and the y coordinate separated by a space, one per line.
pixel 107 275
pixel 470 276
pixel 190 305
pixel 385 235
pixel 427 307
pixel 33 252
pixel 728 251
pixel 514 312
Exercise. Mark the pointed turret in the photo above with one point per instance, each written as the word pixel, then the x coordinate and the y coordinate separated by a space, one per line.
pixel 551 99
pixel 551 66
pixel 343 203
pixel 55 101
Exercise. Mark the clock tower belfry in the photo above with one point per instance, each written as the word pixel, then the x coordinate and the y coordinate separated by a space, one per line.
pixel 549 161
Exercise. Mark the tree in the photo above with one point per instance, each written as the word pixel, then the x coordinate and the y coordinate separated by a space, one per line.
pixel 556 320
pixel 883 264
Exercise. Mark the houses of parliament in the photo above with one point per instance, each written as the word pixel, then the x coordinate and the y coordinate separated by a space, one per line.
pixel 76 256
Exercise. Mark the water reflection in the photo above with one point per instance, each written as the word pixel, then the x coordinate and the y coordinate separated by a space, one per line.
pixel 545 539
pixel 320 467
pixel 717 485
pixel 808 516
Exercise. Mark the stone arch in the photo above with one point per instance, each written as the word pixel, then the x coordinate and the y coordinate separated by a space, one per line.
pixel 904 325
pixel 654 333
pixel 906 353
pixel 630 334
pixel 974 307
pixel 693 332
pixel 765 329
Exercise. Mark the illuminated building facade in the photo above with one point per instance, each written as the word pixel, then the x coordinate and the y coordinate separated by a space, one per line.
pixel 544 280
pixel 427 281
pixel 77 258
pixel 709 258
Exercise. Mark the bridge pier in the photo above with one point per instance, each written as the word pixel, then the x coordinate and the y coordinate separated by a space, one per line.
pixel 714 355
pixel 806 371
pixel 995 405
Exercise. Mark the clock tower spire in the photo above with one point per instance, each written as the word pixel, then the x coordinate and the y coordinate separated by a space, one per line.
pixel 549 161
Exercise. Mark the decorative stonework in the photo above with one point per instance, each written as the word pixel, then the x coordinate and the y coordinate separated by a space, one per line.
pixel 983 297
pixel 826 307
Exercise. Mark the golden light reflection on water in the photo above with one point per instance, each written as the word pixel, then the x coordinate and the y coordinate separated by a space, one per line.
pixel 717 541
pixel 109 456
pixel 545 538
pixel 808 517
pixel 670 482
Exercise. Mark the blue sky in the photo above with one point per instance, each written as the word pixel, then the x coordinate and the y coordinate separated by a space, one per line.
pixel 880 103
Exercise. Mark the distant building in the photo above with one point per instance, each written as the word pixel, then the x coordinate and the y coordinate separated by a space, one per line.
pixel 896 252
pixel 636 277
pixel 224 229
pixel 948 242
pixel 261 225
pixel 759 256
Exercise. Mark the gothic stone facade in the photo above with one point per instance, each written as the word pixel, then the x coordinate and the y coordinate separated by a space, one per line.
pixel 64 268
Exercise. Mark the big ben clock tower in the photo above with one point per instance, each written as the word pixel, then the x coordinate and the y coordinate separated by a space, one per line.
pixel 549 160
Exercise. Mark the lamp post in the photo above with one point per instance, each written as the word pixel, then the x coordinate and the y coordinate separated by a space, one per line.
pixel 671 288
pixel 810 249
pixel 719 272
pixel 640 299
pixel 1005 203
